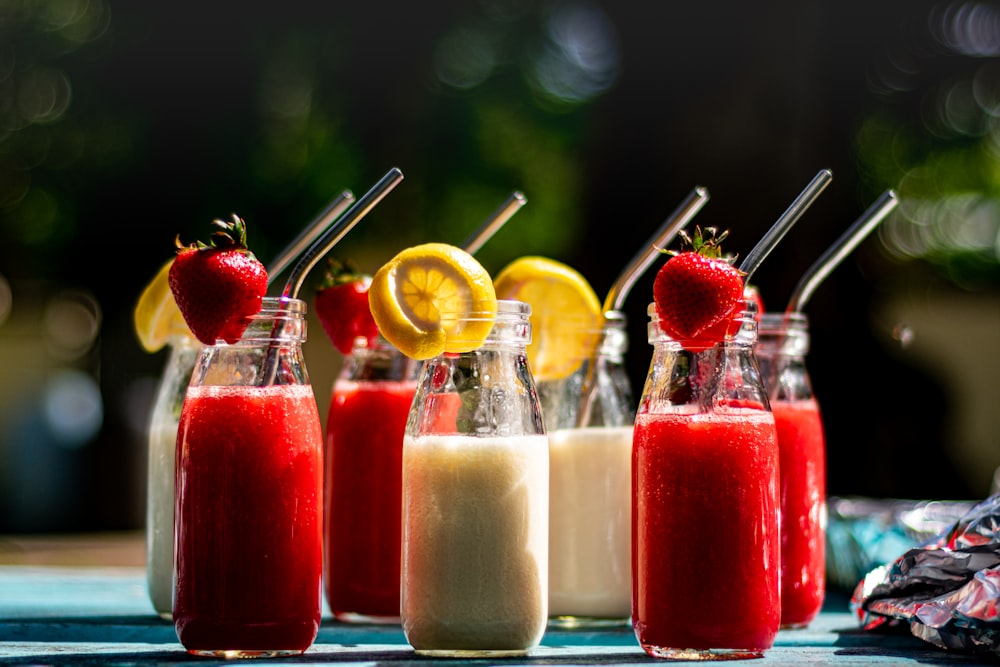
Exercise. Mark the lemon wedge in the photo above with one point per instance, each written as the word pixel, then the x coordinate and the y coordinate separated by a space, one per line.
pixel 411 292
pixel 565 313
pixel 156 316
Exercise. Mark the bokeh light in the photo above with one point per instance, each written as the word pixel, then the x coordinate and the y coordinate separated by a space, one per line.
pixel 73 408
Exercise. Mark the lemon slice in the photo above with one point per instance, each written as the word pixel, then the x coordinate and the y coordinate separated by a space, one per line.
pixel 411 292
pixel 565 313
pixel 156 316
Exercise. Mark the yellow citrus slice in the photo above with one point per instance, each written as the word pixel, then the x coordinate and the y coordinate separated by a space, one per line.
pixel 156 316
pixel 411 292
pixel 565 313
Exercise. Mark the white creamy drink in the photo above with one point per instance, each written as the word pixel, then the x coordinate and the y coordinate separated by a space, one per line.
pixel 160 513
pixel 475 543
pixel 161 452
pixel 590 483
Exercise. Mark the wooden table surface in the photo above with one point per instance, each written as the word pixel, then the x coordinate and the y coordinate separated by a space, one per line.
pixel 82 600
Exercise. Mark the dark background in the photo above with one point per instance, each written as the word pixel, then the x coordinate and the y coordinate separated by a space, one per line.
pixel 124 124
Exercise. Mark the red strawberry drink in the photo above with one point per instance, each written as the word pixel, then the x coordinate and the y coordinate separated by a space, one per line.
pixel 364 448
pixel 781 349
pixel 705 540
pixel 248 495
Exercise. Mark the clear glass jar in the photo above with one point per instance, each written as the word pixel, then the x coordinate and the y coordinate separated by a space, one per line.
pixel 162 447
pixel 369 405
pixel 589 417
pixel 705 502
pixel 475 500
pixel 249 490
pixel 781 349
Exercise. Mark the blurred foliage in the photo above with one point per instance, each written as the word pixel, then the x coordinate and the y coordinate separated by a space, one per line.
pixel 937 135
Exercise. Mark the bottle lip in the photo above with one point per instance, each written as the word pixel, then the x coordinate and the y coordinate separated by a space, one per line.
pixel 272 305
pixel 769 322
pixel 280 319
pixel 505 308
pixel 745 334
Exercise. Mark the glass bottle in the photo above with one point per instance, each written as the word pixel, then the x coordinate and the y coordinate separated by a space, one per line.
pixel 781 348
pixel 369 405
pixel 162 447
pixel 589 417
pixel 249 488
pixel 475 499
pixel 705 502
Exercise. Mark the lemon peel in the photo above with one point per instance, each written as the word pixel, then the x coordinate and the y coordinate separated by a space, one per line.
pixel 565 313
pixel 410 295
pixel 156 317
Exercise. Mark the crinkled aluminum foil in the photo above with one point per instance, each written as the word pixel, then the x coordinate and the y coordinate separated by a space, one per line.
pixel 947 590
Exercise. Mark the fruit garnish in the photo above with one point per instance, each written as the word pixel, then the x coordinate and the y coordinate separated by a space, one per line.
pixel 341 304
pixel 218 285
pixel 698 291
pixel 410 292
pixel 565 313
pixel 156 316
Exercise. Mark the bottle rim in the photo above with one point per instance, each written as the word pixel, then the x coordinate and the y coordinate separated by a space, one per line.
pixel 777 322
pixel 746 334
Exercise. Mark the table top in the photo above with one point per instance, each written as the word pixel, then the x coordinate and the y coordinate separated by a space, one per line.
pixel 58 606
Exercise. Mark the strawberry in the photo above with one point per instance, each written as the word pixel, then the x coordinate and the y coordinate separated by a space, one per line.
pixel 698 292
pixel 341 305
pixel 218 286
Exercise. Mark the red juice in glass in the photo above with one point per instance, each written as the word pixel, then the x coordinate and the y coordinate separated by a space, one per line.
pixel 705 546
pixel 364 450
pixel 802 449
pixel 249 532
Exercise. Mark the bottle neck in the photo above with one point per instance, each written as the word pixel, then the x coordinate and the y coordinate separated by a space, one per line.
pixel 782 334
pixel 744 336
pixel 280 321
pixel 509 327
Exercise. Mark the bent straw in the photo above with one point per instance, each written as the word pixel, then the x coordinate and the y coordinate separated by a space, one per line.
pixel 615 299
pixel 840 249
pixel 791 215
pixel 497 219
pixel 309 234
pixel 675 222
pixel 333 234
pixel 338 230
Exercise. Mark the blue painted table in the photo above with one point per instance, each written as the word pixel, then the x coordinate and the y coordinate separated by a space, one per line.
pixel 102 616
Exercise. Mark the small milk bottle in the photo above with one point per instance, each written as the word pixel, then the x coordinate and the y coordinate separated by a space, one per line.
pixel 705 539
pixel 249 495
pixel 369 405
pixel 781 348
pixel 475 499
pixel 162 447
pixel 589 417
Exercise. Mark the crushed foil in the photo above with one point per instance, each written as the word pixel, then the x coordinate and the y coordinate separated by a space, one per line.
pixel 947 590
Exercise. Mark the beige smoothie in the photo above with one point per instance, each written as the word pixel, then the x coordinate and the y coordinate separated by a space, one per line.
pixel 160 513
pixel 590 523
pixel 475 543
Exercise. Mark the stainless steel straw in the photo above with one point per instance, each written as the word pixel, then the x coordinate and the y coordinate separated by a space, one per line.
pixel 493 223
pixel 840 249
pixel 615 299
pixel 309 234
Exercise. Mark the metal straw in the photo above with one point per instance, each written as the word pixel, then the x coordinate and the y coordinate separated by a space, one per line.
pixel 675 222
pixel 767 243
pixel 321 246
pixel 840 249
pixel 493 223
pixel 338 230
pixel 309 234
pixel 615 299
